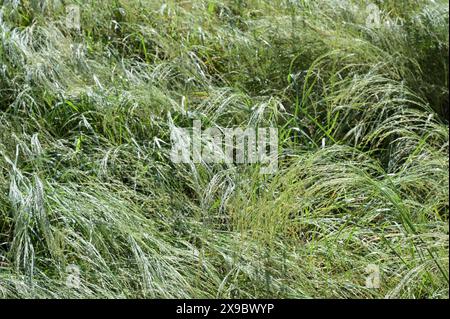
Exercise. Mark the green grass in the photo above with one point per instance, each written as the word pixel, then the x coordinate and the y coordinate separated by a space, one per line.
pixel 85 171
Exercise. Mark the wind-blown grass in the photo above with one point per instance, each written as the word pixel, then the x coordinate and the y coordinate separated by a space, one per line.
pixel 86 177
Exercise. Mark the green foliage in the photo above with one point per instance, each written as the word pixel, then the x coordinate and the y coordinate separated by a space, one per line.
pixel 85 171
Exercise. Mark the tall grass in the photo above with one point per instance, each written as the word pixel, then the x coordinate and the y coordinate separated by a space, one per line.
pixel 85 171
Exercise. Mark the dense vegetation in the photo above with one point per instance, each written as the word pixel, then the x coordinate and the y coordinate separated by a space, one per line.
pixel 86 177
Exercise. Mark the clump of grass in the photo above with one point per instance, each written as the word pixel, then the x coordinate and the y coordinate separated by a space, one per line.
pixel 86 178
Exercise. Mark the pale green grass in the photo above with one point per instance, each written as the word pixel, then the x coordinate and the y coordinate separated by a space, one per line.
pixel 85 171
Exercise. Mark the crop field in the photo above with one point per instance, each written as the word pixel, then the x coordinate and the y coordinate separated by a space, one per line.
pixel 93 204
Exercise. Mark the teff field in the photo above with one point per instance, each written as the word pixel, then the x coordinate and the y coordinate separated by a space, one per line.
pixel 92 206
